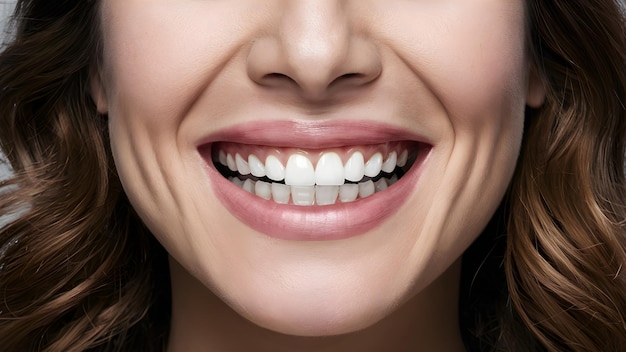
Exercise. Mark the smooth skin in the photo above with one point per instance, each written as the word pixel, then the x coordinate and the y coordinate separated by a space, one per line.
pixel 453 71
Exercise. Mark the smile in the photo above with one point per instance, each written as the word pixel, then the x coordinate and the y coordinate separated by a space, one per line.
pixel 288 175
pixel 319 181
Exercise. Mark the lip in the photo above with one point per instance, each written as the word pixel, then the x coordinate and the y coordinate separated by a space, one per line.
pixel 312 223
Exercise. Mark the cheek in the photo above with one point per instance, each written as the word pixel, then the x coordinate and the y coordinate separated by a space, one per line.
pixel 476 68
pixel 470 55
pixel 480 72
pixel 157 59
pixel 159 56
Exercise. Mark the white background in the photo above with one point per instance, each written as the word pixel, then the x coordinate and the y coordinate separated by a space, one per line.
pixel 6 7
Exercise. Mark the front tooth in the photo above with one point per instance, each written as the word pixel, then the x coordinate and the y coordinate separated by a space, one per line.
pixel 329 170
pixel 274 169
pixel 256 166
pixel 366 189
pixel 303 195
pixel 242 165
pixel 348 192
pixel 374 165
pixel 248 185
pixel 390 164
pixel 325 195
pixel 280 193
pixel 299 171
pixel 230 162
pixel 263 190
pixel 403 158
pixel 355 167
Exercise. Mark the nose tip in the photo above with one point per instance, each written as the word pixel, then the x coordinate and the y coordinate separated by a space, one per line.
pixel 313 74
pixel 313 52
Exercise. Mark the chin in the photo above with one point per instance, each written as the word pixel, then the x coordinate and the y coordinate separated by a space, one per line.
pixel 324 315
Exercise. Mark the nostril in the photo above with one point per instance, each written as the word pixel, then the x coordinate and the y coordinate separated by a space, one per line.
pixel 350 79
pixel 276 76
pixel 277 80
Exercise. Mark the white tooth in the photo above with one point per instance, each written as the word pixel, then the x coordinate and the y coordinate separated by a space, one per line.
pixel 390 164
pixel 242 165
pixel 280 193
pixel 381 184
pixel 299 171
pixel 374 165
pixel 366 189
pixel 256 166
pixel 222 158
pixel 274 169
pixel 303 195
pixel 325 195
pixel 248 185
pixel 355 167
pixel 329 170
pixel 403 158
pixel 393 180
pixel 237 181
pixel 348 192
pixel 230 162
pixel 263 190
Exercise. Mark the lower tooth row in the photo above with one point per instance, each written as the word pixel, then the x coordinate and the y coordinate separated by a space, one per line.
pixel 311 195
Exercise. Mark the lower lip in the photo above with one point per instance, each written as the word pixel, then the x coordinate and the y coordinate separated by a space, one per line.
pixel 314 223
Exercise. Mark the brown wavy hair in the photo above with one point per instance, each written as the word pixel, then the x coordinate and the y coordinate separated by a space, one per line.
pixel 79 271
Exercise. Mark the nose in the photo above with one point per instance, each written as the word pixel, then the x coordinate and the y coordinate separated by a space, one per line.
pixel 314 51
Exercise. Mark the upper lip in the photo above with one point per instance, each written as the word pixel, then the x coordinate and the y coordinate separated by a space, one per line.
pixel 312 134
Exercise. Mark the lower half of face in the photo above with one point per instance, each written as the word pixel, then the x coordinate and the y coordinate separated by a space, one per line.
pixel 310 163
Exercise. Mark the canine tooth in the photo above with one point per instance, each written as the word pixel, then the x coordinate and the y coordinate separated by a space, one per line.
pixel 329 170
pixel 280 193
pixel 299 171
pixel 403 158
pixel 355 167
pixel 393 180
pixel 325 195
pixel 348 192
pixel 248 185
pixel 222 158
pixel 366 189
pixel 230 162
pixel 303 195
pixel 263 190
pixel 242 165
pixel 390 164
pixel 274 169
pixel 256 166
pixel 374 165
pixel 381 184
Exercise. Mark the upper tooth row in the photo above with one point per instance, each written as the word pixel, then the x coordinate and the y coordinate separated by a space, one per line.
pixel 329 171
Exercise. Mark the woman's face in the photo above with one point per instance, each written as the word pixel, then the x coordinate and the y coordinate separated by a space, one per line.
pixel 315 163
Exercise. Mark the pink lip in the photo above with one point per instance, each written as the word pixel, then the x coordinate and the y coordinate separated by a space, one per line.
pixel 313 223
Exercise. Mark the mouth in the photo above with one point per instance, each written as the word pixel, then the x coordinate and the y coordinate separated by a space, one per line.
pixel 313 182
pixel 310 177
